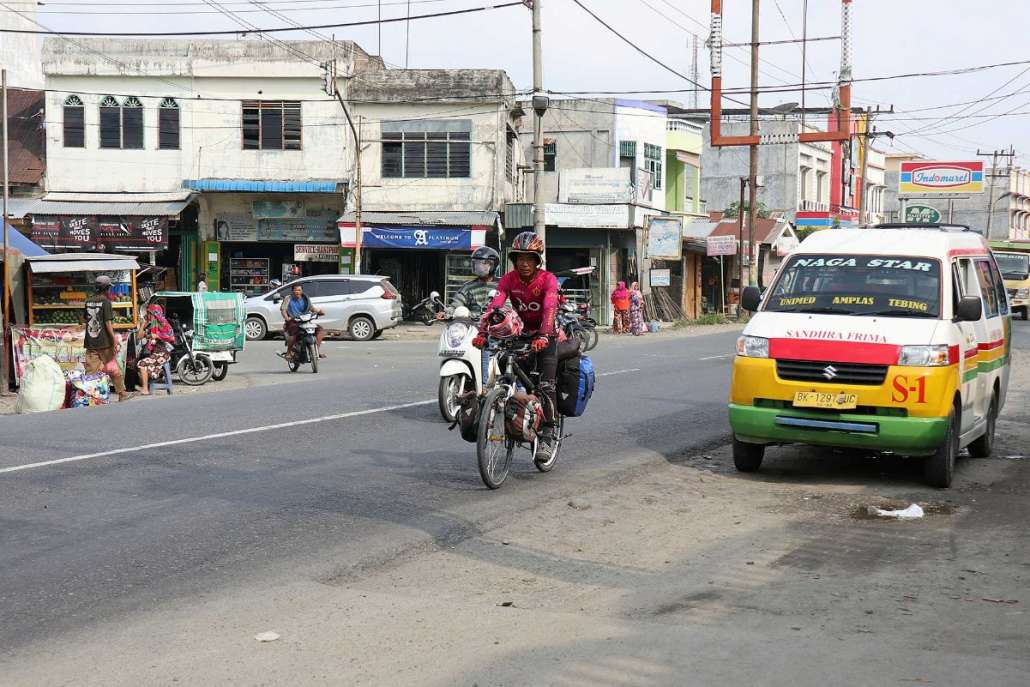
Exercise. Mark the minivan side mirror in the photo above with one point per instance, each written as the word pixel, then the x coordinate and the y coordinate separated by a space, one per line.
pixel 970 309
pixel 751 298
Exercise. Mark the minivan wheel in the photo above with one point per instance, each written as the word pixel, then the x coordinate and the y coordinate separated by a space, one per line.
pixel 982 447
pixel 747 457
pixel 940 467
pixel 254 328
pixel 362 329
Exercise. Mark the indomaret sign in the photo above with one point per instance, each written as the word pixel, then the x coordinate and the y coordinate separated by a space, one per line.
pixel 943 178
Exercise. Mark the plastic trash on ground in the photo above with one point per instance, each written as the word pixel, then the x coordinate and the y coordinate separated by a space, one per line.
pixel 913 512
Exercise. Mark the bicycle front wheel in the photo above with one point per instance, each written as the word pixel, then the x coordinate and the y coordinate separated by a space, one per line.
pixel 493 448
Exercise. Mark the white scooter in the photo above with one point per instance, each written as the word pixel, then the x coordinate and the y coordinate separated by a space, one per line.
pixel 461 367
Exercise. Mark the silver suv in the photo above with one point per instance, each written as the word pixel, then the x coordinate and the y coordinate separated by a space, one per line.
pixel 358 304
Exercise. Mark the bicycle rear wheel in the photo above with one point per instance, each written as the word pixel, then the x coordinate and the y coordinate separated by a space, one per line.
pixel 493 448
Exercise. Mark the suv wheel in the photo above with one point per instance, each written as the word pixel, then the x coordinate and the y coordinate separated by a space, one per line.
pixel 254 328
pixel 362 328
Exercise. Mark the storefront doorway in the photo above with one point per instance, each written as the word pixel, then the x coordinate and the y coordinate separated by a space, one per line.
pixel 249 267
pixel 415 273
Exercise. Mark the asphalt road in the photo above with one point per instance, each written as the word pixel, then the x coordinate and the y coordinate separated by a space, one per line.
pixel 345 491
pixel 354 463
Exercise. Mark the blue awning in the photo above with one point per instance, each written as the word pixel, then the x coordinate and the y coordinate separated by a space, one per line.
pixel 252 186
pixel 18 242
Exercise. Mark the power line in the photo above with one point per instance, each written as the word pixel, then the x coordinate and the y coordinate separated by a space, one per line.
pixel 159 11
pixel 368 22
pixel 644 52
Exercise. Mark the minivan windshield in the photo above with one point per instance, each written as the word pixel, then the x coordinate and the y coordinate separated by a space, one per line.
pixel 1014 265
pixel 880 285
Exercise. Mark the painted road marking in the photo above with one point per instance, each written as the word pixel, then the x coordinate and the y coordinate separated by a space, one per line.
pixel 717 357
pixel 219 435
pixel 618 372
pixel 239 432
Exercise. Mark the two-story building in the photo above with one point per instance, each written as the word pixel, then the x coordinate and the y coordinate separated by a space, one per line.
pixel 228 159
pixel 605 174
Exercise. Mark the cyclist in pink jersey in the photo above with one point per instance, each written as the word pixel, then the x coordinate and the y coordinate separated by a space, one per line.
pixel 533 292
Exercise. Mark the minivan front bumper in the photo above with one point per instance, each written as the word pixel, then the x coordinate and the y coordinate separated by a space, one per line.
pixel 910 435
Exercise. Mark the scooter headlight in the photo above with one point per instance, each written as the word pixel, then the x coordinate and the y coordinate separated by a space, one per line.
pixel 456 333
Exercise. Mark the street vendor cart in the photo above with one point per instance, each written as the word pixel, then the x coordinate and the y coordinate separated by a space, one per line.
pixel 216 319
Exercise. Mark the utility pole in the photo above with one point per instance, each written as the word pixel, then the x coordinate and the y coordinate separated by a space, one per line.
pixel 330 85
pixel 540 104
pixel 695 71
pixel 5 349
pixel 740 244
pixel 868 135
pixel 752 210
pixel 1010 153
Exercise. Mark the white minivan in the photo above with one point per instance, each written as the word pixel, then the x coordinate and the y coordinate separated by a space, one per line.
pixel 892 338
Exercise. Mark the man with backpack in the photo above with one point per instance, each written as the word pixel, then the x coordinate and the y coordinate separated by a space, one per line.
pixel 293 307
pixel 533 292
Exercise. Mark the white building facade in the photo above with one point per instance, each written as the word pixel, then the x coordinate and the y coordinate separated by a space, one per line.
pixel 238 148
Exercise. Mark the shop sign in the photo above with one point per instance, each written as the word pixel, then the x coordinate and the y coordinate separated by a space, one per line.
pixel 665 238
pixel 721 245
pixel 942 177
pixel 573 216
pixel 132 233
pixel 661 277
pixel 104 233
pixel 63 344
pixel 277 209
pixel 595 186
pixel 235 229
pixel 922 214
pixel 316 252
pixel 421 238
pixel 304 229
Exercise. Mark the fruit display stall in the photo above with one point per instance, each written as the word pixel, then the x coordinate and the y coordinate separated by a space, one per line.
pixel 58 286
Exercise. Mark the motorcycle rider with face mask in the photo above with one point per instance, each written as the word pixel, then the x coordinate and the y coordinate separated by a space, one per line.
pixel 475 294
pixel 533 292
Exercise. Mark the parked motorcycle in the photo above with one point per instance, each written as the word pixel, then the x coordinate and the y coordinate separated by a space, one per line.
pixel 305 348
pixel 192 367
pixel 461 365
pixel 426 310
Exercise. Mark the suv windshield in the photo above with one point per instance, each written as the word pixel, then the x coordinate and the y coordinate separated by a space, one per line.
pixel 1013 265
pixel 884 285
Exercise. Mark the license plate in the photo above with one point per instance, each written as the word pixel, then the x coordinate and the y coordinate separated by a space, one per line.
pixel 821 399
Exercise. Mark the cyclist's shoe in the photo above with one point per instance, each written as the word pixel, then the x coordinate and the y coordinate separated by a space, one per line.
pixel 545 443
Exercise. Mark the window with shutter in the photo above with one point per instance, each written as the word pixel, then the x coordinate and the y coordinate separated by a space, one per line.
pixel 74 122
pixel 132 124
pixel 426 149
pixel 110 123
pixel 550 156
pixel 168 125
pixel 271 125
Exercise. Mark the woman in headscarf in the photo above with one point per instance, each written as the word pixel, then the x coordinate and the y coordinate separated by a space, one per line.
pixel 636 310
pixel 620 302
pixel 158 339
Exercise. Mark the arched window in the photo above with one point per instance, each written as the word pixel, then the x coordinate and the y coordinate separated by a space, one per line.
pixel 121 126
pixel 110 123
pixel 168 125
pixel 132 124
pixel 74 123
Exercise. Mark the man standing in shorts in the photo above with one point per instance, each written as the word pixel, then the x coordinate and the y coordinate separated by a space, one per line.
pixel 100 340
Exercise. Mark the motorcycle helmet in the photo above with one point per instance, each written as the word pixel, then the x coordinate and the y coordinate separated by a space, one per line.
pixel 485 261
pixel 504 323
pixel 527 242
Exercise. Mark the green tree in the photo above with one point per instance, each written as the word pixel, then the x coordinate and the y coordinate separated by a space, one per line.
pixel 733 210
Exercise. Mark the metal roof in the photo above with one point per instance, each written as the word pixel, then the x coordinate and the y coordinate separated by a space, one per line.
pixel 119 204
pixel 82 262
pixel 460 218
pixel 698 228
pixel 259 186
